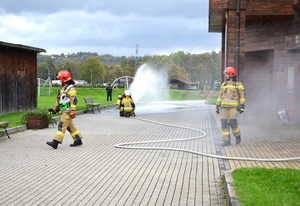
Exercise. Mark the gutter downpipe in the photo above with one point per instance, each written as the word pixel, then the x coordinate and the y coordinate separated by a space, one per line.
pixel 225 42
pixel 237 45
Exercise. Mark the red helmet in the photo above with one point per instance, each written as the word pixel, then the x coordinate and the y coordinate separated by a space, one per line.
pixel 64 75
pixel 231 71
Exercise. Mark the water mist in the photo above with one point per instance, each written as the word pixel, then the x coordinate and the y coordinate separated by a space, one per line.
pixel 150 90
pixel 150 84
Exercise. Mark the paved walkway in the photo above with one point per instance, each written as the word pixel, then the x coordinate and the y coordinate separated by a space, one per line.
pixel 97 173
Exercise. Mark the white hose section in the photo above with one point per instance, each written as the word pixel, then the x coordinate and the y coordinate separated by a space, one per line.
pixel 203 134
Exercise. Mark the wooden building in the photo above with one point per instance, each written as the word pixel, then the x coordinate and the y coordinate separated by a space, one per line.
pixel 18 77
pixel 183 84
pixel 261 38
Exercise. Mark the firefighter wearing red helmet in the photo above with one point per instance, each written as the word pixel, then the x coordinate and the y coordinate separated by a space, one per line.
pixel 66 105
pixel 230 102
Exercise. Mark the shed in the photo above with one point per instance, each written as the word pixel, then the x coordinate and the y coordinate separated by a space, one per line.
pixel 18 77
pixel 183 84
pixel 261 39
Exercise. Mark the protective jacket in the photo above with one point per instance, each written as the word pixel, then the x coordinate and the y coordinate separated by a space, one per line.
pixel 67 100
pixel 118 105
pixel 128 104
pixel 232 95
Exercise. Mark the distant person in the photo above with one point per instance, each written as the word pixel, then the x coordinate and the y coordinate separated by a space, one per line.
pixel 109 90
pixel 66 105
pixel 231 100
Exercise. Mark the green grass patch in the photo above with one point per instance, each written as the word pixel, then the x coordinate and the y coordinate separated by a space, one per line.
pixel 15 119
pixel 212 100
pixel 98 94
pixel 265 187
pixel 176 94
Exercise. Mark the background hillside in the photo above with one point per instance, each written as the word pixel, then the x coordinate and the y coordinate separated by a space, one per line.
pixel 98 69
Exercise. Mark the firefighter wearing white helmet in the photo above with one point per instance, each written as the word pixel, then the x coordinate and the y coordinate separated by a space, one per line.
pixel 66 105
pixel 128 104
pixel 231 100
pixel 127 93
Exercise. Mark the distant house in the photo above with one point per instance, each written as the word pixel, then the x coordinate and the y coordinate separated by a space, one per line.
pixel 18 77
pixel 183 84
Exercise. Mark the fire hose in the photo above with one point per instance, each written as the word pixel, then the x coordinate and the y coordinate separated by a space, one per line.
pixel 128 145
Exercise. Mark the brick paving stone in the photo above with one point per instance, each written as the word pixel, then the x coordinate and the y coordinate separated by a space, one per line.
pixel 97 173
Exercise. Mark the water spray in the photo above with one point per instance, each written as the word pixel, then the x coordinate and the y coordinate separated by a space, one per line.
pixel 149 84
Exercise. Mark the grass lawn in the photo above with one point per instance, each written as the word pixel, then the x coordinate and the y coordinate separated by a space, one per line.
pixel 266 187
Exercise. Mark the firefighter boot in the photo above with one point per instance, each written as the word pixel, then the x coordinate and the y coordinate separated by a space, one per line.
pixel 53 143
pixel 77 142
pixel 226 142
pixel 238 140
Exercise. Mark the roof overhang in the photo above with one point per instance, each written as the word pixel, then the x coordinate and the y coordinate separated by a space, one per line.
pixel 20 46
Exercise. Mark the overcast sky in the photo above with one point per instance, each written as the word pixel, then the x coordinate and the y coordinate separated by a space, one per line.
pixel 109 26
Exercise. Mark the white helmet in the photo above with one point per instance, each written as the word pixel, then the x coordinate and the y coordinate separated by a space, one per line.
pixel 127 93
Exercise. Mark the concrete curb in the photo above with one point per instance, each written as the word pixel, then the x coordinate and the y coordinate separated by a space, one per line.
pixel 229 189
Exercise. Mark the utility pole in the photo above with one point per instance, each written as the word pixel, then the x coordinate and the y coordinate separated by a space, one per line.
pixel 91 77
pixel 136 55
pixel 49 82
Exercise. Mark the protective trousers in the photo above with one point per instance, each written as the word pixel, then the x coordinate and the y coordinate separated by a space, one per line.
pixel 229 119
pixel 66 123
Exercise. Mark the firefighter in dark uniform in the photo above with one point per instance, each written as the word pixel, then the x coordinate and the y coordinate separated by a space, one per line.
pixel 230 101
pixel 66 106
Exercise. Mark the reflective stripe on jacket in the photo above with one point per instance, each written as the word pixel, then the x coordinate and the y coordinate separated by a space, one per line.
pixel 128 104
pixel 231 94
pixel 67 98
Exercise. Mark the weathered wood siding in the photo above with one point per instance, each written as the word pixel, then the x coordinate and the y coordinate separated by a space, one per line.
pixel 269 7
pixel 18 77
pixel 276 37
pixel 232 38
pixel 268 34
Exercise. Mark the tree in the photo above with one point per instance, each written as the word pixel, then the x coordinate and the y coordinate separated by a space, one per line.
pixel 203 68
pixel 92 69
pixel 45 69
pixel 73 67
pixel 177 72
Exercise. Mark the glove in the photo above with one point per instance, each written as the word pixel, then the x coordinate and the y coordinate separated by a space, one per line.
pixel 72 114
pixel 52 111
pixel 241 109
pixel 218 109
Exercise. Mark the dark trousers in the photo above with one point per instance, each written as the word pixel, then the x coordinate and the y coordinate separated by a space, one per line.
pixel 108 97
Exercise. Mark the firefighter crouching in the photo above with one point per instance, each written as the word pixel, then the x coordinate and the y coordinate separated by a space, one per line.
pixel 66 105
pixel 128 104
pixel 231 100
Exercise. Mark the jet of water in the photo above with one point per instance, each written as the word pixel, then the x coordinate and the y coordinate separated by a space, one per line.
pixel 150 84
